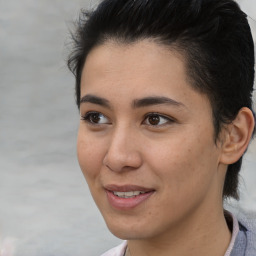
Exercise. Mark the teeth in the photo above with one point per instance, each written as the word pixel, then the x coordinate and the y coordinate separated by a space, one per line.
pixel 129 194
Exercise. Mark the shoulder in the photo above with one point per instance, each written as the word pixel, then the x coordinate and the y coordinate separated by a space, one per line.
pixel 247 225
pixel 246 239
pixel 117 251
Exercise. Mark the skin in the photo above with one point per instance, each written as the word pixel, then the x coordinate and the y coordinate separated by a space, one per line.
pixel 177 156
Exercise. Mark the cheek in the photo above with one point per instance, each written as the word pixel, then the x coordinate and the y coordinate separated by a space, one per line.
pixel 90 153
pixel 185 166
pixel 185 175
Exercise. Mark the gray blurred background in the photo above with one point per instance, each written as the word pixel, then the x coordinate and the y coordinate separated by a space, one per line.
pixel 44 200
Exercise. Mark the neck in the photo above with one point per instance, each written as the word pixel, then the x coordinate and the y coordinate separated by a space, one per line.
pixel 206 235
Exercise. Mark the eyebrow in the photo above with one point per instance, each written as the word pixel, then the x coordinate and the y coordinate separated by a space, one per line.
pixel 137 103
pixel 148 101
pixel 95 100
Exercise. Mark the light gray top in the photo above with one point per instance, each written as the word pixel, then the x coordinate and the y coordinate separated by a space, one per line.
pixel 245 243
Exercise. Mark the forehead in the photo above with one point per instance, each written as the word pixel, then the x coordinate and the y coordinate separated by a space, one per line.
pixel 130 62
pixel 141 69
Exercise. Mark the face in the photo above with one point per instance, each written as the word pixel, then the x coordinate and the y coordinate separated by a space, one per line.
pixel 146 141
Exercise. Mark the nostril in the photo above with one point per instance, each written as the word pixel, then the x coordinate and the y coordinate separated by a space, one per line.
pixel 123 169
pixel 109 167
pixel 115 167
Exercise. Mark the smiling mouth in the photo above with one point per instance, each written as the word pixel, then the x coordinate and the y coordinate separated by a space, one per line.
pixel 127 197
pixel 129 194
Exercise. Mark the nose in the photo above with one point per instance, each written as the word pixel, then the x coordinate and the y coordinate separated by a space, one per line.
pixel 123 152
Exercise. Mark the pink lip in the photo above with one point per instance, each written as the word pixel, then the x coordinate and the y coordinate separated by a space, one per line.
pixel 127 188
pixel 120 203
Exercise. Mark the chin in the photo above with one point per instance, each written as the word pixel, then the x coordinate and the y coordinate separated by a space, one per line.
pixel 130 231
pixel 128 234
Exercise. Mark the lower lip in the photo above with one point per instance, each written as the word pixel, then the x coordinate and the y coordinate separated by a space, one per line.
pixel 127 203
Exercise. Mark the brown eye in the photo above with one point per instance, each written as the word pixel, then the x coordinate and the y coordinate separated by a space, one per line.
pixel 95 118
pixel 154 119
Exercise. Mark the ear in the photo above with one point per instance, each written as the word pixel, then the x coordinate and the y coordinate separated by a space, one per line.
pixel 237 136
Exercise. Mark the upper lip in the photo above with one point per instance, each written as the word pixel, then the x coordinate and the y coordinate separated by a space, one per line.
pixel 127 188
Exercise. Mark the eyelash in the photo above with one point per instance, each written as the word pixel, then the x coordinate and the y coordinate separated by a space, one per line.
pixel 168 120
pixel 87 118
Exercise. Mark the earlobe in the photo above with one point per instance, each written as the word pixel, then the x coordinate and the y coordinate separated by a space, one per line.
pixel 237 136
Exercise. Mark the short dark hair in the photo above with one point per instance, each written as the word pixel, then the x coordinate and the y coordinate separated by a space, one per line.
pixel 213 35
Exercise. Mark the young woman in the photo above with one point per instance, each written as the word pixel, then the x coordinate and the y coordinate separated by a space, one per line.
pixel 164 89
